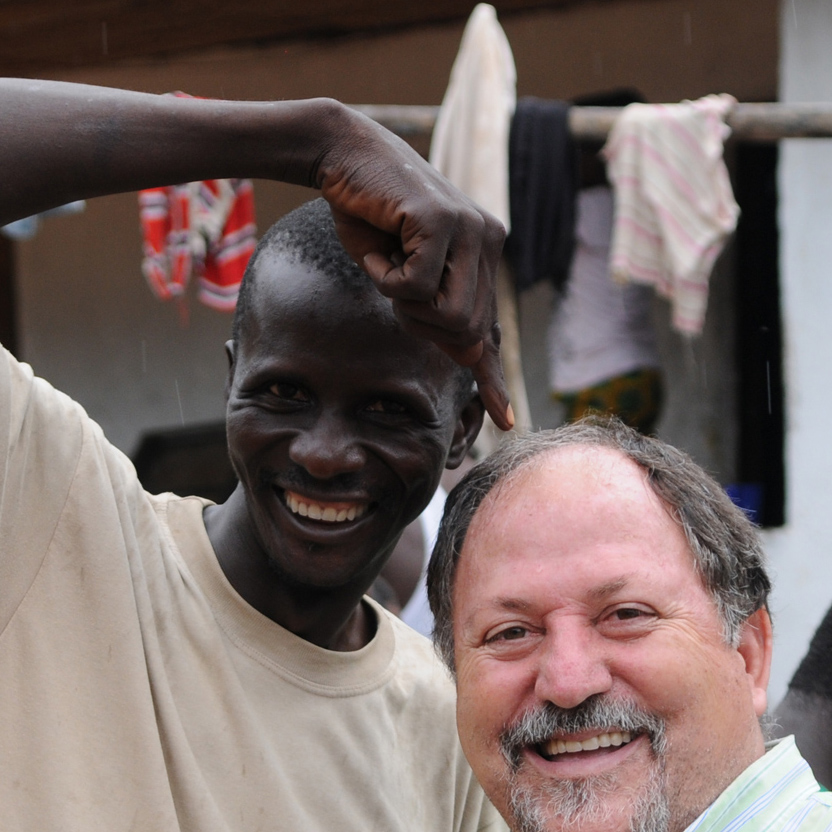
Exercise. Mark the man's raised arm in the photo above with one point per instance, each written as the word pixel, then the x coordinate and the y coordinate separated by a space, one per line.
pixel 426 246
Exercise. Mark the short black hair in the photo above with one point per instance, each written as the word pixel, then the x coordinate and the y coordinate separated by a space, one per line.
pixel 307 235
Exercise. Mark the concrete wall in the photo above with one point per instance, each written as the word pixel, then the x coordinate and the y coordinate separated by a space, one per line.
pixel 801 552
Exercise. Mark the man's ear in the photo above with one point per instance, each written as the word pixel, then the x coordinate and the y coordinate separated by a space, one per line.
pixel 755 648
pixel 231 353
pixel 468 424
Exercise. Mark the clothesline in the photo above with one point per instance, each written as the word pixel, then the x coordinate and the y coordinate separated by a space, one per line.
pixel 764 122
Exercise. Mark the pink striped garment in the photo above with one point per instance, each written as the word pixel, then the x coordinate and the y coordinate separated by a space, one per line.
pixel 674 208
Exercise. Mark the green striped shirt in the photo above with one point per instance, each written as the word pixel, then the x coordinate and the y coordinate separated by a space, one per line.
pixel 777 793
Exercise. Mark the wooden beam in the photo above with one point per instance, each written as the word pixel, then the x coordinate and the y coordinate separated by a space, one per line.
pixel 748 122
pixel 43 35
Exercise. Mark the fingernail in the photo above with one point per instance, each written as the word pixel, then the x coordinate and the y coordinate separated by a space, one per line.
pixel 510 416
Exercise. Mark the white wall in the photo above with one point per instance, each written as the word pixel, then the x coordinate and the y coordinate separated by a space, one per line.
pixel 801 552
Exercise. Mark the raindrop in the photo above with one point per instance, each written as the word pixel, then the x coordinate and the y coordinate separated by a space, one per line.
pixel 179 400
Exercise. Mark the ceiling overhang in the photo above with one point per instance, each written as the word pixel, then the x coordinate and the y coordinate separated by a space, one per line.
pixel 38 36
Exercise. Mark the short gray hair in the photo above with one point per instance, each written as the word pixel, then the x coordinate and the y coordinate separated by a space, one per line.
pixel 724 543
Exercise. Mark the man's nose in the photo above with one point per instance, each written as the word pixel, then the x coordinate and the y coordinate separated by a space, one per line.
pixel 328 448
pixel 573 665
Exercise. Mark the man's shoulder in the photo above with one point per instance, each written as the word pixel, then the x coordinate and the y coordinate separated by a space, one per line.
pixel 776 792
pixel 416 659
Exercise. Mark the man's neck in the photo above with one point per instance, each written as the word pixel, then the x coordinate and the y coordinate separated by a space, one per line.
pixel 335 619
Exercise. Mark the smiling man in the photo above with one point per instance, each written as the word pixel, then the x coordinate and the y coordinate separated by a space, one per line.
pixel 603 606
pixel 339 427
pixel 167 665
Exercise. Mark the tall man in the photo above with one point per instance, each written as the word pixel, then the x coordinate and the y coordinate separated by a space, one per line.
pixel 170 665
pixel 603 606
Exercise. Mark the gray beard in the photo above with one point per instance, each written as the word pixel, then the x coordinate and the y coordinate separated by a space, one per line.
pixel 568 804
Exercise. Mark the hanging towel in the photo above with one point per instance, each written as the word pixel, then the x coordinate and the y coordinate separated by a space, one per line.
pixel 470 147
pixel 200 228
pixel 543 178
pixel 674 206
pixel 470 140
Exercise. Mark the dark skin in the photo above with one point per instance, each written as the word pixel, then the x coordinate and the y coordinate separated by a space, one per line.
pixel 426 246
pixel 365 428
pixel 403 570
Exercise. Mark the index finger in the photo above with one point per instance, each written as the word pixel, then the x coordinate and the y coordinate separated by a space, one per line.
pixel 491 383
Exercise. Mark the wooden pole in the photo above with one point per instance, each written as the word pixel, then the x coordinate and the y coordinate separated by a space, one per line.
pixel 748 122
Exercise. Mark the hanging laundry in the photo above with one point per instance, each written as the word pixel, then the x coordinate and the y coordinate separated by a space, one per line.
pixel 674 208
pixel 205 229
pixel 470 147
pixel 602 348
pixel 543 181
pixel 470 139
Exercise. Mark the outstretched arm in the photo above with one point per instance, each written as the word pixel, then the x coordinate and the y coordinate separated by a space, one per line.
pixel 426 246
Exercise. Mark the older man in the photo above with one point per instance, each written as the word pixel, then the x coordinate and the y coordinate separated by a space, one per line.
pixel 603 606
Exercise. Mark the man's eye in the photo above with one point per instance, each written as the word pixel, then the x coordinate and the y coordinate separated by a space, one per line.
pixel 290 392
pixel 388 407
pixel 628 613
pixel 509 634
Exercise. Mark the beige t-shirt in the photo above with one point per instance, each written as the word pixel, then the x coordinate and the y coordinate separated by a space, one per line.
pixel 138 691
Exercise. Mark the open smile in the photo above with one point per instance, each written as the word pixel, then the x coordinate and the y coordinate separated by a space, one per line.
pixel 325 511
pixel 558 746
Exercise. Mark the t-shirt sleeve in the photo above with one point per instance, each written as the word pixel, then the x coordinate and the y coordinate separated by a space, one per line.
pixel 41 435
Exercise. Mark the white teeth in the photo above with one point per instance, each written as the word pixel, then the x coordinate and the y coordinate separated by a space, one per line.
pixel 613 738
pixel 325 513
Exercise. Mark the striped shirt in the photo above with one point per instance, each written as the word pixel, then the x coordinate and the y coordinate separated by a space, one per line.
pixel 778 793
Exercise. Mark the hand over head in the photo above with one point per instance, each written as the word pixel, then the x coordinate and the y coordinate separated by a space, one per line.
pixel 426 246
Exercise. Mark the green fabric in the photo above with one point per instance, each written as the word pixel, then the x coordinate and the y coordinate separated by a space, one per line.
pixel 777 792
pixel 635 397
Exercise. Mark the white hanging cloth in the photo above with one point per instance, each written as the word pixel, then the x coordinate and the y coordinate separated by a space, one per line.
pixel 470 147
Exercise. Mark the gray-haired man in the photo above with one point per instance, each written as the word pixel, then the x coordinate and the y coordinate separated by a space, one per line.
pixel 603 606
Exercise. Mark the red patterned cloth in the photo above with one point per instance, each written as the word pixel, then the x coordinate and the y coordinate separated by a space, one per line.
pixel 205 229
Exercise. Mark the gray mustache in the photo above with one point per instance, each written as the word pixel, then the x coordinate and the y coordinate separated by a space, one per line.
pixel 598 713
